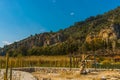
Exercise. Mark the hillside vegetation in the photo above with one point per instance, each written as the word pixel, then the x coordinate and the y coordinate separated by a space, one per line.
pixel 95 33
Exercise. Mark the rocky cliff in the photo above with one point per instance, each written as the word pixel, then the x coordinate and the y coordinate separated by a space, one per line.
pixel 99 29
pixel 111 33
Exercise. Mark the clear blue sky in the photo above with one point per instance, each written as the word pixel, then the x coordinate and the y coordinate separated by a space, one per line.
pixel 21 18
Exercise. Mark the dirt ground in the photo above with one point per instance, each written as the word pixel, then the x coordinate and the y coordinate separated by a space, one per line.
pixel 75 75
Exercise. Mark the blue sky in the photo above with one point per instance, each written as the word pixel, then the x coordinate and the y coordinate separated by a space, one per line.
pixel 21 18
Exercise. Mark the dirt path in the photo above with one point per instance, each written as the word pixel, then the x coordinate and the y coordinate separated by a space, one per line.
pixel 18 75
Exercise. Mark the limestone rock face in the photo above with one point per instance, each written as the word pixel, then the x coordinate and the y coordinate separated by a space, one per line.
pixel 90 37
pixel 53 39
pixel 108 34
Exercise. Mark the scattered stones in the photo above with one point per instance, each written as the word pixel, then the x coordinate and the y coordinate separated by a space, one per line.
pixel 74 74
pixel 103 78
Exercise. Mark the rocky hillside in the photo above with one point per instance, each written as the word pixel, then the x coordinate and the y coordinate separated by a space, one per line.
pixel 95 33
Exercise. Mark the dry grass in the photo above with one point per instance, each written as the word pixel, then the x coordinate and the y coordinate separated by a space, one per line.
pixel 37 61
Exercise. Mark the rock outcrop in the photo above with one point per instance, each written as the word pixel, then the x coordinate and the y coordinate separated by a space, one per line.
pixel 108 34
